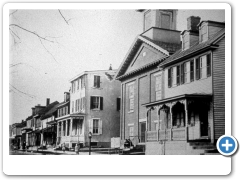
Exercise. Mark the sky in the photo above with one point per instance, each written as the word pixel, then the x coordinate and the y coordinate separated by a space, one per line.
pixel 85 40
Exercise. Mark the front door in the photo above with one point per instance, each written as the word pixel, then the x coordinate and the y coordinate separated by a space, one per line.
pixel 142 131
pixel 203 116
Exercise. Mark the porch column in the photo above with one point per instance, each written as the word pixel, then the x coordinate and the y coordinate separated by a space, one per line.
pixel 57 130
pixel 186 120
pixel 41 139
pixel 62 129
pixel 26 139
pixel 71 123
pixel 171 122
pixel 66 128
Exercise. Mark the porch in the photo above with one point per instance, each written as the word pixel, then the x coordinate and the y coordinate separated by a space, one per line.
pixel 181 118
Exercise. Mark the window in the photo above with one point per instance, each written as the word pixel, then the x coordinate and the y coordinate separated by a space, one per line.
pixel 83 81
pixel 182 73
pixel 185 72
pixel 197 68
pixel 78 84
pixel 147 20
pixel 72 106
pixel 66 109
pixel 178 119
pixel 63 111
pixel 96 82
pixel 131 97
pixel 95 126
pixel 204 36
pixel 191 70
pixel 76 105
pixel 178 75
pixel 201 68
pixel 158 88
pixel 170 77
pixel 208 65
pixel 131 130
pixel 165 21
pixel 72 87
pixel 118 104
pixel 96 103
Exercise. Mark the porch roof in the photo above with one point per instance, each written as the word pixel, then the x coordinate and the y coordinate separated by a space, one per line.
pixel 175 98
pixel 74 115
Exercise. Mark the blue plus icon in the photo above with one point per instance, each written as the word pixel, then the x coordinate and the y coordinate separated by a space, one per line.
pixel 227 145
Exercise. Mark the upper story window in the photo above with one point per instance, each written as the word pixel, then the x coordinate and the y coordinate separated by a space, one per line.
pixel 147 20
pixel 78 84
pixel 131 97
pixel 72 106
pixel 158 88
pixel 200 68
pixel 96 103
pixel 83 81
pixel 118 104
pixel 165 21
pixel 96 81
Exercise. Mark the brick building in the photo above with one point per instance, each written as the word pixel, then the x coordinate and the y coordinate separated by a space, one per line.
pixel 139 74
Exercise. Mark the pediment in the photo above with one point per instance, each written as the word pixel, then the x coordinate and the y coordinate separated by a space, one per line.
pixel 145 55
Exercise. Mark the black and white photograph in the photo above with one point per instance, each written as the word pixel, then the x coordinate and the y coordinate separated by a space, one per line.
pixel 94 80
pixel 76 88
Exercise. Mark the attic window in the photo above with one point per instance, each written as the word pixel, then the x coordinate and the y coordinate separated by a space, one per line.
pixel 144 54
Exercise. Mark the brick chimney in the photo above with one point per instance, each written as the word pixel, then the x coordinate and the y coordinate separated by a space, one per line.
pixel 47 101
pixel 192 23
pixel 191 35
pixel 33 111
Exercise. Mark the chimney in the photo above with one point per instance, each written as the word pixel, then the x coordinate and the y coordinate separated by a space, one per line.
pixel 192 23
pixel 33 111
pixel 66 96
pixel 110 68
pixel 47 101
pixel 190 36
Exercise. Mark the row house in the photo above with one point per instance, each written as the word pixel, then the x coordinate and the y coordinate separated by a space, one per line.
pixel 16 134
pixel 192 106
pixel 94 107
pixel 139 74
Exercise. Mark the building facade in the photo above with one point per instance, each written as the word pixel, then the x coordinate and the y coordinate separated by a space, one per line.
pixel 192 107
pixel 139 74
pixel 94 107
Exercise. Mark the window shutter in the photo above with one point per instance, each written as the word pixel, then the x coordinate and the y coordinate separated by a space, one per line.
pixel 101 103
pixel 91 102
pixel 100 127
pixel 191 70
pixel 169 77
pixel 91 125
pixel 95 81
pixel 182 73
pixel 208 65
pixel 118 104
pixel 178 75
pixel 98 81
pixel 83 103
pixel 197 69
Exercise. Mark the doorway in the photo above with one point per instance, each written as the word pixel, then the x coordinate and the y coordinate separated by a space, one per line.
pixel 203 117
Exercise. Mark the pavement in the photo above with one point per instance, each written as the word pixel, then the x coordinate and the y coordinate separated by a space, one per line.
pixel 60 152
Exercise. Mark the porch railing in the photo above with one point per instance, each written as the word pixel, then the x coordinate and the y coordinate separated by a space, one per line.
pixel 167 135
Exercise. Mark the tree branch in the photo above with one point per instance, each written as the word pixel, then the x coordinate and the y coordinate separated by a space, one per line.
pixel 48 51
pixel 29 95
pixel 13 13
pixel 34 33
pixel 64 17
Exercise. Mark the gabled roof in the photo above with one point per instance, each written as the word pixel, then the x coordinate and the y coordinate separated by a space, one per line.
pixel 196 48
pixel 164 48
pixel 47 112
pixel 29 117
pixel 62 104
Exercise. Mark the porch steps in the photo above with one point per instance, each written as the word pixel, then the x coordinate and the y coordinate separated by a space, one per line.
pixel 205 146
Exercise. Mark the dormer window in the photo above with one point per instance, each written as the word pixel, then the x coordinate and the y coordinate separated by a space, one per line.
pixel 185 42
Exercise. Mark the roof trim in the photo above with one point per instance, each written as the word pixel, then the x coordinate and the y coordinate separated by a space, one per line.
pixel 184 96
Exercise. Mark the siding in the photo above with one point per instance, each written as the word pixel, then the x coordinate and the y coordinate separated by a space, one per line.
pixel 203 86
pixel 219 89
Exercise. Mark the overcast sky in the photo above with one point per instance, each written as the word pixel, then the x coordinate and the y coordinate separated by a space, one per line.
pixel 91 40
